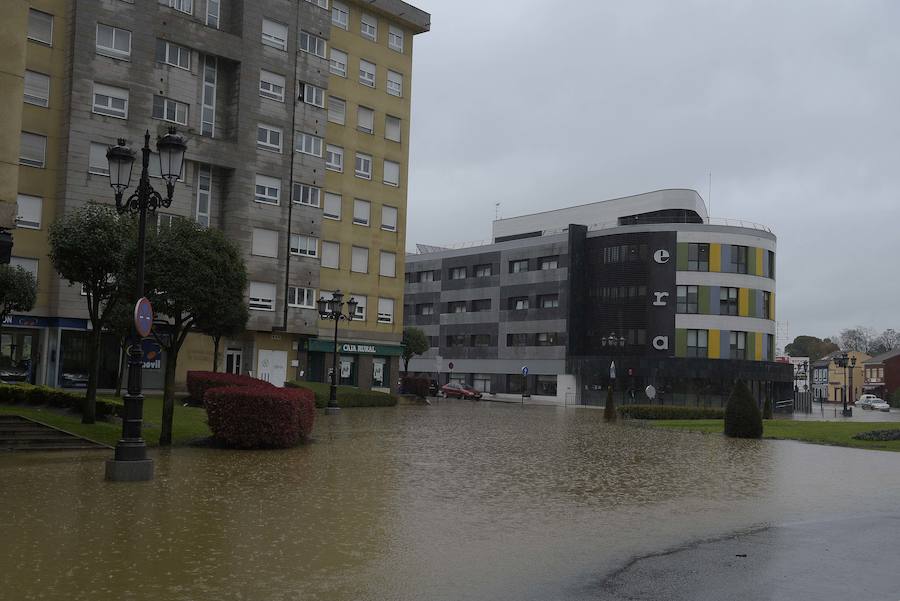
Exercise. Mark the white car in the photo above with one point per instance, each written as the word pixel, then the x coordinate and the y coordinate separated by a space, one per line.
pixel 863 401
pixel 877 405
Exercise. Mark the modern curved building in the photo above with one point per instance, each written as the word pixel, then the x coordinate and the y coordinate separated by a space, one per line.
pixel 647 282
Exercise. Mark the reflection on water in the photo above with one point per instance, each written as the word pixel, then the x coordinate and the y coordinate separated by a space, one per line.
pixel 457 501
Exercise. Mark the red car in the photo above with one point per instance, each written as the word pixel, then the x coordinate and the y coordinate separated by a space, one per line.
pixel 460 391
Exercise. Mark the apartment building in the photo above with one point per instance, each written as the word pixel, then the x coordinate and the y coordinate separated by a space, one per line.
pixel 648 282
pixel 257 88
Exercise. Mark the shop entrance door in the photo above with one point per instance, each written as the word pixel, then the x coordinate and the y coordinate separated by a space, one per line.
pixel 233 361
pixel 272 366
pixel 17 357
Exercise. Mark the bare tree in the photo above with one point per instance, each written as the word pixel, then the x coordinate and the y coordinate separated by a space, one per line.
pixel 859 339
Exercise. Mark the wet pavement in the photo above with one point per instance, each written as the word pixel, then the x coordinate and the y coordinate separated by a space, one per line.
pixel 449 502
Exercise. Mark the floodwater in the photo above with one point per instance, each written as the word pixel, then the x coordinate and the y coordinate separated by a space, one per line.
pixel 455 501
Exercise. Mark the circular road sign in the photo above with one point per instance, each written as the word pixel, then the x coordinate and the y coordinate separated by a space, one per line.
pixel 651 391
pixel 450 365
pixel 143 317
pixel 524 370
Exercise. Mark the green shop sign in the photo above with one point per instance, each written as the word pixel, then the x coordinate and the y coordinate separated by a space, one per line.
pixel 354 348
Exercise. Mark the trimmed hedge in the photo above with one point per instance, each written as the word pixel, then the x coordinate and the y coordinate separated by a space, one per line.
pixel 26 394
pixel 742 416
pixel 347 396
pixel 669 412
pixel 259 417
pixel 416 386
pixel 198 382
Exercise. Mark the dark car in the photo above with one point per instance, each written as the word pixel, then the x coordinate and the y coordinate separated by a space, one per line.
pixel 460 391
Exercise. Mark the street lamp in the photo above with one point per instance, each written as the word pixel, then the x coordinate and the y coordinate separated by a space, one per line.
pixel 845 361
pixel 130 462
pixel 613 341
pixel 334 309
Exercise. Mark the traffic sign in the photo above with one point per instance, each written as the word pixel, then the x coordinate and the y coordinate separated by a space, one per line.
pixel 143 317
pixel 450 365
pixel 524 370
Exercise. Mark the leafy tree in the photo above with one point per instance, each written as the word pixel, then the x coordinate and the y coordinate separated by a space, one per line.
pixel 415 342
pixel 120 324
pixel 191 271
pixel 857 339
pixel 227 319
pixel 89 247
pixel 18 290
pixel 810 346
pixel 742 416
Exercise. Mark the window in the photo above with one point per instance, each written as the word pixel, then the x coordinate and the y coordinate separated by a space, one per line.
pixel 305 246
pixel 458 273
pixel 697 343
pixel 548 301
pixel 771 259
pixel 313 95
pixel 361 211
pixel 366 73
pixel 518 339
pixel 340 15
pixel 518 303
pixel 426 276
pixel 363 165
pixel 518 266
pixel 37 88
pixel 29 265
pixel 359 259
pixel 208 109
pixel 268 189
pixel 204 193
pixel 456 340
pixel 110 101
pixel 456 307
pixel 268 137
pixel 481 304
pixel 425 309
pixel 395 38
pixel 698 257
pixel 391 173
pixel 305 298
pixel 173 54
pixel 545 263
pixel 483 271
pixel 481 340
pixel 767 305
pixel 262 296
pixel 388 267
pixel 331 255
pixel 389 218
pixel 361 302
pixel 32 150
pixel 738 259
pixel 334 158
pixel 392 128
pixel 368 26
pixel 545 385
pixel 385 310
pixel 365 119
pixel 97 163
pixel 394 83
pixel 271 85
pixel 274 34
pixel 28 214
pixel 40 26
pixel 686 299
pixel 312 44
pixel 307 195
pixel 113 42
pixel 212 13
pixel 728 301
pixel 546 339
pixel 264 243
pixel 332 206
pixel 185 6
pixel 337 110
pixel 738 345
pixel 338 63
pixel 170 110
pixel 308 144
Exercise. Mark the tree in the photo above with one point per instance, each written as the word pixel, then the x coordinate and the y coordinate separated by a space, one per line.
pixel 227 319
pixel 857 339
pixel 810 346
pixel 191 270
pixel 415 342
pixel 18 290
pixel 742 416
pixel 609 410
pixel 120 324
pixel 886 341
pixel 89 247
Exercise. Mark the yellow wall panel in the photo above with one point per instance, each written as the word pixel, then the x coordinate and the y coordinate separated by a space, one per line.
pixel 759 261
pixel 743 302
pixel 714 345
pixel 759 346
pixel 715 257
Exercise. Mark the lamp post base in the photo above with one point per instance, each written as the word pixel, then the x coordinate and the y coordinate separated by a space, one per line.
pixel 848 412
pixel 139 470
pixel 332 410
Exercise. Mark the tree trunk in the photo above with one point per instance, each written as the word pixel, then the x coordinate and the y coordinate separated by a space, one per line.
pixel 89 409
pixel 216 340
pixel 168 412
pixel 123 356
pixel 406 366
pixel 609 410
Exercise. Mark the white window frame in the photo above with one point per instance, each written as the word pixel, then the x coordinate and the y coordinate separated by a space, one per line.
pixel 388 129
pixel 367 77
pixel 261 296
pixel 334 158
pixel 306 194
pixel 97 153
pixel 33 161
pixel 173 53
pixel 340 15
pixel 395 34
pixel 112 51
pixel 362 212
pixel 111 93
pixel 319 3
pixel 33 35
pixel 213 13
pixel 272 39
pixel 390 169
pixel 328 208
pixel 29 211
pixel 309 144
pixel 327 246
pixel 303 245
pixel 271 85
pixel 267 189
pixel 169 105
pixel 395 83
pixel 387 264
pixel 365 119
pixel 359 259
pixel 313 95
pixel 308 297
pixel 368 27
pixel 313 44
pixel 385 316
pixel 269 130
pixel 204 171
pixel 264 243
pixel 184 6
pixel 337 110
pixel 26 263
pixel 385 224
pixel 37 89
pixel 337 65
pixel 363 160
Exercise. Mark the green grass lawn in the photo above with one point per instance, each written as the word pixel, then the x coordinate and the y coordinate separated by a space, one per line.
pixel 189 424
pixel 830 433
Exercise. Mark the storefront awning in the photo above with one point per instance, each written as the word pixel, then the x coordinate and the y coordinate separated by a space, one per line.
pixel 319 345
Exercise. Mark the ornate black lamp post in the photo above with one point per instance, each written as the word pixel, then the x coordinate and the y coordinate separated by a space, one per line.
pixel 334 309
pixel 613 343
pixel 130 462
pixel 845 361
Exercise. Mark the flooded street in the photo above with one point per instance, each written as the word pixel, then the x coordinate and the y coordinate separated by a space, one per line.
pixel 455 501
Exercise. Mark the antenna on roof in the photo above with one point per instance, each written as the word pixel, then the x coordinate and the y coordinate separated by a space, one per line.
pixel 496 211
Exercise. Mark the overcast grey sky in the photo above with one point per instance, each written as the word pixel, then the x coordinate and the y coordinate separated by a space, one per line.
pixel 791 105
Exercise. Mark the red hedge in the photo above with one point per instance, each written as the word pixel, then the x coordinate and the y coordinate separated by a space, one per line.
pixel 255 417
pixel 198 382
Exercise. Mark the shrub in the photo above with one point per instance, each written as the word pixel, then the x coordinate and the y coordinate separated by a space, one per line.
pixel 669 412
pixel 347 396
pixel 198 382
pixel 767 409
pixel 880 435
pixel 416 386
pixel 895 399
pixel 259 417
pixel 16 394
pixel 742 417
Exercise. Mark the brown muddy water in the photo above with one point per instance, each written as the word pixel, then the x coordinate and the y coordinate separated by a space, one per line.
pixel 455 501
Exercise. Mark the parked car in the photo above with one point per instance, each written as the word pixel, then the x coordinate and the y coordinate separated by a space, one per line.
pixel 864 399
pixel 877 405
pixel 460 391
